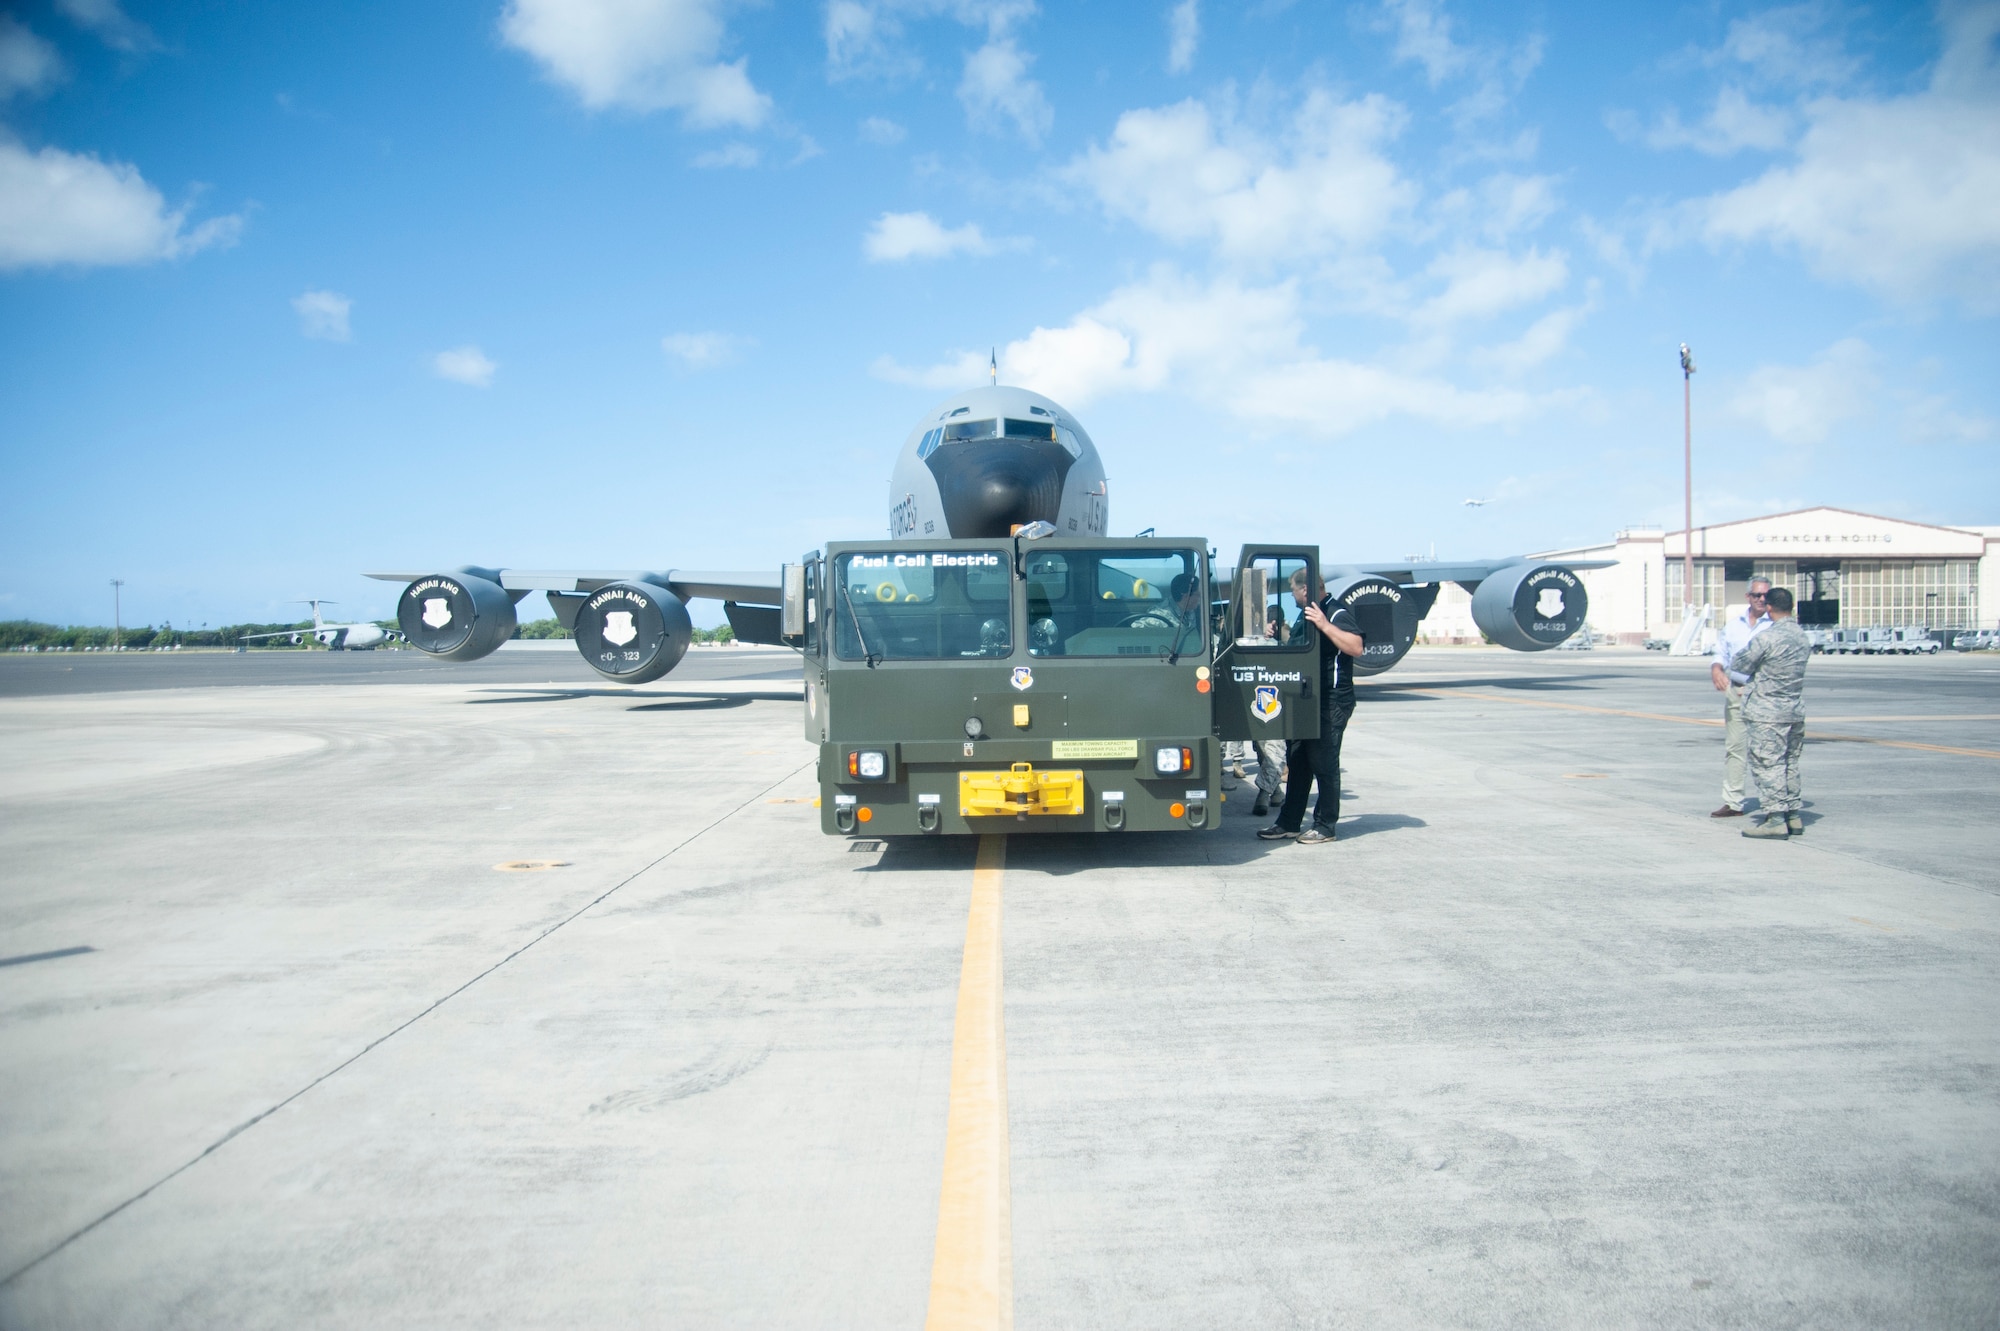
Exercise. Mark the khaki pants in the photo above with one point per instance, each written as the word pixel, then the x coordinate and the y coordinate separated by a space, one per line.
pixel 1735 746
pixel 1270 765
pixel 1775 747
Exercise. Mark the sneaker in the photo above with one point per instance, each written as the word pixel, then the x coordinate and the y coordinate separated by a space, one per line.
pixel 1770 829
pixel 1263 809
pixel 1795 824
pixel 1236 770
pixel 1726 812
pixel 1313 836
pixel 1275 833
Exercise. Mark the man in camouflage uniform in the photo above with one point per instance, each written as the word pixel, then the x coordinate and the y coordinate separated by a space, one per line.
pixel 1774 710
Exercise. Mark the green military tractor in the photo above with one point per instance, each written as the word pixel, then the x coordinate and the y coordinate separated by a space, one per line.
pixel 1042 685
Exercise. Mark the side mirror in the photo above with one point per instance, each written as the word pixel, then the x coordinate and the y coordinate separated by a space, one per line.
pixel 792 623
pixel 1253 594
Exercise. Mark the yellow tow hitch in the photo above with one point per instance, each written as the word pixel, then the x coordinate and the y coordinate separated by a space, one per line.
pixel 1019 791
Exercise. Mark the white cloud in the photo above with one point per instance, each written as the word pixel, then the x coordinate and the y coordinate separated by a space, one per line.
pixel 1482 283
pixel 1499 207
pixel 1900 195
pixel 885 133
pixel 1735 123
pixel 1543 341
pixel 464 365
pixel 866 38
pixel 1183 35
pixel 1788 46
pixel 896 237
pixel 323 315
pixel 27 63
pixel 1801 404
pixel 739 155
pixel 1423 35
pixel 642 55
pixel 997 92
pixel 112 24
pixel 1226 344
pixel 1325 187
pixel 704 351
pixel 70 208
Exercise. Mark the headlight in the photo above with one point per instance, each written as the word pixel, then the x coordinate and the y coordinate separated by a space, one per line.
pixel 873 765
pixel 1168 761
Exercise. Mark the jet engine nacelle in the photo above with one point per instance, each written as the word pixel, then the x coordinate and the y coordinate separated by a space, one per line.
pixel 456 616
pixel 633 632
pixel 1388 615
pixel 1530 607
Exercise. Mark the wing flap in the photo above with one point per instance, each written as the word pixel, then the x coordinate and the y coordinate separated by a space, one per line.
pixel 754 588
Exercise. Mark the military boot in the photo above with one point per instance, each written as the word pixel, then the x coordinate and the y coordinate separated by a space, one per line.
pixel 1771 829
pixel 1795 824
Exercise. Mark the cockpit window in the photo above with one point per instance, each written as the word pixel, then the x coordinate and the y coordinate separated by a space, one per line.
pixel 924 605
pixel 1030 430
pixel 1083 603
pixel 967 430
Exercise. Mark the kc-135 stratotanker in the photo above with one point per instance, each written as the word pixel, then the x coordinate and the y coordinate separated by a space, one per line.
pixel 999 663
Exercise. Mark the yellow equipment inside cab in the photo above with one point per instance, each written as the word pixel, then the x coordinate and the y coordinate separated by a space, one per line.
pixel 1019 790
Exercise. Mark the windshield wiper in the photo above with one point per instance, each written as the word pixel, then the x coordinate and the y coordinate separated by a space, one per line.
pixel 855 615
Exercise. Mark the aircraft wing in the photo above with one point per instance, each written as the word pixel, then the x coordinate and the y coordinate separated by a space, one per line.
pixel 756 588
pixel 1465 571
pixel 289 633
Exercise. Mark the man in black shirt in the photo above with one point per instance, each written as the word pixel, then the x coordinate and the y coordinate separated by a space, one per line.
pixel 1317 761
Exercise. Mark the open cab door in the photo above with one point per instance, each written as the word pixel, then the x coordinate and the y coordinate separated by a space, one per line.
pixel 1266 677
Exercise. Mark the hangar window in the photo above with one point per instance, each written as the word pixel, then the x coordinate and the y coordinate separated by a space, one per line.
pixel 923 605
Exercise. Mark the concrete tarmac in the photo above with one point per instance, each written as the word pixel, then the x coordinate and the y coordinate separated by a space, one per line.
pixel 1535 1043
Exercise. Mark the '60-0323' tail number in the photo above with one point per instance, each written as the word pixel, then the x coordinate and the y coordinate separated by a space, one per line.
pixel 618 656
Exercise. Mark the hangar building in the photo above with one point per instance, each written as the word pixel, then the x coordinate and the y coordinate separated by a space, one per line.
pixel 1847 569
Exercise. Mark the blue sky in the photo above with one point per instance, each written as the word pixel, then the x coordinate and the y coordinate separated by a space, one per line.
pixel 290 292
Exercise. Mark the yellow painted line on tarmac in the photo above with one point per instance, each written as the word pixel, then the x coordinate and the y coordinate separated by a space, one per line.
pixel 1701 721
pixel 972 1267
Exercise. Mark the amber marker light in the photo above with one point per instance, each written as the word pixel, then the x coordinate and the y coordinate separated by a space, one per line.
pixel 863 814
pixel 1201 686
pixel 1176 810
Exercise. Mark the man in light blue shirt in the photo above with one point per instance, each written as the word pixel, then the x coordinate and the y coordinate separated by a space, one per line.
pixel 1735 636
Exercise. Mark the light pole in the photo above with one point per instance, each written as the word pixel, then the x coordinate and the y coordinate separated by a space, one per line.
pixel 117 629
pixel 1687 481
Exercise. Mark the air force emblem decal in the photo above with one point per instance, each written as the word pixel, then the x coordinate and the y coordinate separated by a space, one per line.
pixel 1550 603
pixel 1022 678
pixel 1266 705
pixel 437 612
pixel 618 628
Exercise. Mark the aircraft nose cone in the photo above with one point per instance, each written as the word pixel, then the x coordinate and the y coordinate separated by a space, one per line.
pixel 989 487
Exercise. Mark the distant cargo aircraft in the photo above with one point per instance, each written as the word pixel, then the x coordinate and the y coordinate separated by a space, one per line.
pixel 334 637
pixel 980 465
